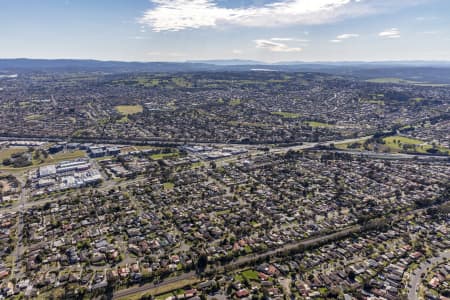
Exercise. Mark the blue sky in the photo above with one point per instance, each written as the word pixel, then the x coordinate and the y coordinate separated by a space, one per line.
pixel 268 30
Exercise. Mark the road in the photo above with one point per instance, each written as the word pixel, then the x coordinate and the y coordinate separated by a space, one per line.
pixel 148 286
pixel 237 263
pixel 112 184
pixel 396 156
pixel 249 258
pixel 312 145
pixel 18 250
pixel 416 278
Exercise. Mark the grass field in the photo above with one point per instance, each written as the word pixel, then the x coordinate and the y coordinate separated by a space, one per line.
pixel 404 81
pixel 65 156
pixel 129 109
pixel 392 80
pixel 235 102
pixel 148 82
pixel 286 115
pixel 163 155
pixel 181 82
pixel 168 185
pixel 147 147
pixel 394 144
pixel 345 146
pixel 6 153
pixel 317 124
pixel 250 275
pixel 421 146
pixel 51 159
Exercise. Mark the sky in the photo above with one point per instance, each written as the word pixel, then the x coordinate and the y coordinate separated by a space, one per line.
pixel 263 30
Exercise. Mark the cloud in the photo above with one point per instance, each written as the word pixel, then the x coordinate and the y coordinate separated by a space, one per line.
pixel 288 39
pixel 237 51
pixel 346 36
pixel 282 39
pixel 275 46
pixel 175 15
pixel 392 33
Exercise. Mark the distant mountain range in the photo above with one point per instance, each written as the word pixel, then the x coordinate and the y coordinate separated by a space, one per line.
pixel 419 71
pixel 227 62
pixel 239 62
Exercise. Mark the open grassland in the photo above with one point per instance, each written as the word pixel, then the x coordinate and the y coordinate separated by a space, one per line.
pixel 286 115
pixel 6 153
pixel 395 143
pixel 41 161
pixel 392 80
pixel 235 102
pixel 168 185
pixel 129 109
pixel 181 82
pixel 250 275
pixel 404 81
pixel 163 155
pixel 53 159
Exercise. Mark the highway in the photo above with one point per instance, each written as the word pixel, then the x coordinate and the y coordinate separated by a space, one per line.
pixel 280 150
pixel 112 184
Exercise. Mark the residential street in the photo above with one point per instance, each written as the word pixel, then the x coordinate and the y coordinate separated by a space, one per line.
pixel 415 279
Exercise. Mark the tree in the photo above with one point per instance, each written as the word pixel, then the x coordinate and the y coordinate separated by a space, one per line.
pixel 351 275
pixel 202 262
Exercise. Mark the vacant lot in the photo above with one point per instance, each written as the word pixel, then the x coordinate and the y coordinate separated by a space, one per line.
pixel 6 153
pixel 64 156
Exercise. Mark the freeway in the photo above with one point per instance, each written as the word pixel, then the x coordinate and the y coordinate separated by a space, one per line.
pixel 110 184
pixel 416 278
pixel 313 145
pixel 395 156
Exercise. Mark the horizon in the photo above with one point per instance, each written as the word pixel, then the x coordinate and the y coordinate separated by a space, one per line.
pixel 210 61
